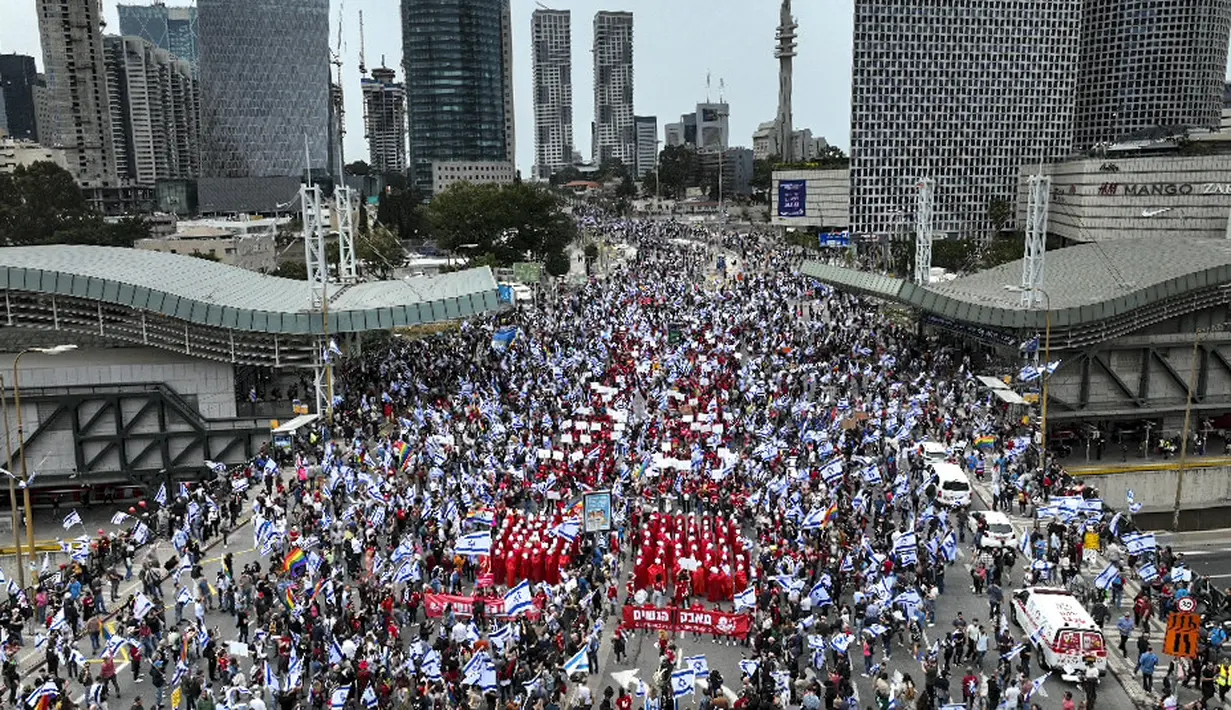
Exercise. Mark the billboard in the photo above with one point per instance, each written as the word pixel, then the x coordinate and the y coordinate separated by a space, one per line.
pixel 596 511
pixel 792 198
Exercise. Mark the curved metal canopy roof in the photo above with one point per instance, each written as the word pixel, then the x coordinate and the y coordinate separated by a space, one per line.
pixel 1087 286
pixel 212 294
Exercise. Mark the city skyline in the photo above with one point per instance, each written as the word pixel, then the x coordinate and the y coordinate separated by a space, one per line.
pixel 747 65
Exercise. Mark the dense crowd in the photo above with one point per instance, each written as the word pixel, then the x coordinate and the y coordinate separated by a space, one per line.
pixel 759 435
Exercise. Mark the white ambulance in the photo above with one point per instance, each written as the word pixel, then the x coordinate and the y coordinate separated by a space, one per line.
pixel 1061 629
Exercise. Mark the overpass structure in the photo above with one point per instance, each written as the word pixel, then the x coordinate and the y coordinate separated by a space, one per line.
pixel 151 391
pixel 1131 323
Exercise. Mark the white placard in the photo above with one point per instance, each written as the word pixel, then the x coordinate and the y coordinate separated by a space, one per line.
pixel 566 438
pixel 585 438
pixel 238 648
pixel 688 418
pixel 596 426
pixel 557 455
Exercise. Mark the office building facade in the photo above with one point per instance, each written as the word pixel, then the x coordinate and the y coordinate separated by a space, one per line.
pixel 76 78
pixel 1150 65
pixel 614 135
pixel 551 32
pixel 18 82
pixel 384 121
pixel 153 103
pixel 456 55
pixel 173 29
pixel 958 94
pixel 647 145
pixel 713 130
pixel 264 93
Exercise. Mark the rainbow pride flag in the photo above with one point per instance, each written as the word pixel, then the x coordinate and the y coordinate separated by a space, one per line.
pixel 401 452
pixel 987 441
pixel 295 562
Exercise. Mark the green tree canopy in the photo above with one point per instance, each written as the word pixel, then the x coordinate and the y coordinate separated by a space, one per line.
pixel 402 212
pixel 41 204
pixel 381 251
pixel 508 222
pixel 677 167
pixel 557 263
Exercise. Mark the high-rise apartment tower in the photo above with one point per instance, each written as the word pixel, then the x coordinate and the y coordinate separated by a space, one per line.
pixel 614 136
pixel 551 32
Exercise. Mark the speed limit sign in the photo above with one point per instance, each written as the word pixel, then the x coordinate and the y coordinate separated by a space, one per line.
pixel 1185 604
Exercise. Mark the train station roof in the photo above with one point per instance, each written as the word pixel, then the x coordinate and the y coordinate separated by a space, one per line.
pixel 1095 285
pixel 208 293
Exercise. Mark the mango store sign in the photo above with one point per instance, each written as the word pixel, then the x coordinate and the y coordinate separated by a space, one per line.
pixel 1164 189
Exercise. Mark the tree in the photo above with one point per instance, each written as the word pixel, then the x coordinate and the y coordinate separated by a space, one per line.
pixel 402 211
pixel 565 175
pixel 39 200
pixel 291 270
pixel 999 212
pixel 649 184
pixel 507 222
pixel 557 263
pixel 207 256
pixel 380 251
pixel 677 169
pixel 763 176
pixel 626 188
pixel 358 167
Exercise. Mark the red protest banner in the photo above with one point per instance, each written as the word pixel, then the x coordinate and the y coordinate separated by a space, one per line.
pixel 435 604
pixel 649 617
pixel 700 621
pixel 718 623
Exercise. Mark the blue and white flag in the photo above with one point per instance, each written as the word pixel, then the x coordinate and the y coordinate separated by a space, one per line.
pixel 1140 544
pixel 142 605
pixel 370 701
pixel 578 664
pixel 819 594
pixel 271 678
pixel 479 543
pixel 337 701
pixel 746 599
pixel 841 642
pixel 161 496
pixel 46 690
pixel 699 665
pixel 1148 572
pixel 683 682
pixel 72 519
pixel 119 518
pixel 1107 577
pixel 748 667
pixel 518 600
pixel 568 530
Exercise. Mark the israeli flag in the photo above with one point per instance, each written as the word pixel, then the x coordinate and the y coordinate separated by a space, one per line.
pixel 1024 544
pixel 1107 577
pixel 1130 496
pixel 578 664
pixel 161 496
pixel 841 642
pixel 141 533
pixel 746 599
pixel 789 583
pixel 1140 544
pixel 683 682
pixel 1148 572
pixel 518 600
pixel 819 594
pixel 699 665
pixel 748 667
pixel 119 518
pixel 479 543
pixel 142 605
pixel 337 701
pixel 568 530
pixel 72 519
pixel 501 636
pixel 370 701
pixel 431 665
pixel 335 652
pixel 271 679
pixel 815 519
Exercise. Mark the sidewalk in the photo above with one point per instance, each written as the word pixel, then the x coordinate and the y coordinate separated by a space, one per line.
pixel 1118 665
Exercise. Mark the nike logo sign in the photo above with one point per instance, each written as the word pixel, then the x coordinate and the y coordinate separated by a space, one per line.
pixel 1151 213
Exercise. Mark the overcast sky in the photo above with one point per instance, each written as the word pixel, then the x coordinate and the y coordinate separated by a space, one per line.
pixel 676 43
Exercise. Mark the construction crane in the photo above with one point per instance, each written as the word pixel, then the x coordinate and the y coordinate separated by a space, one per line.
pixel 363 68
pixel 335 93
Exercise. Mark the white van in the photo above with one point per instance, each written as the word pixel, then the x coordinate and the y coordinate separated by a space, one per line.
pixel 952 485
pixel 1061 629
pixel 934 452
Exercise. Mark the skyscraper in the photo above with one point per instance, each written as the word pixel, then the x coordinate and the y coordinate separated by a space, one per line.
pixel 384 121
pixel 959 95
pixel 264 73
pixel 72 40
pixel 153 104
pixel 551 32
pixel 457 57
pixel 18 79
pixel 647 145
pixel 171 28
pixel 614 135
pixel 1150 64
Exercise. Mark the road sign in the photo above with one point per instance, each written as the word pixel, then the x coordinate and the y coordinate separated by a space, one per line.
pixel 1186 604
pixel 1183 634
pixel 527 272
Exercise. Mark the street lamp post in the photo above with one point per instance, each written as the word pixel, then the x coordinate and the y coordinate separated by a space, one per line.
pixel 8 461
pixel 1044 371
pixel 1188 410
pixel 21 437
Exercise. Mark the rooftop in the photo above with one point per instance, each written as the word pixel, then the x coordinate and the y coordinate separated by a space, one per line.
pixel 213 294
pixel 1084 284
